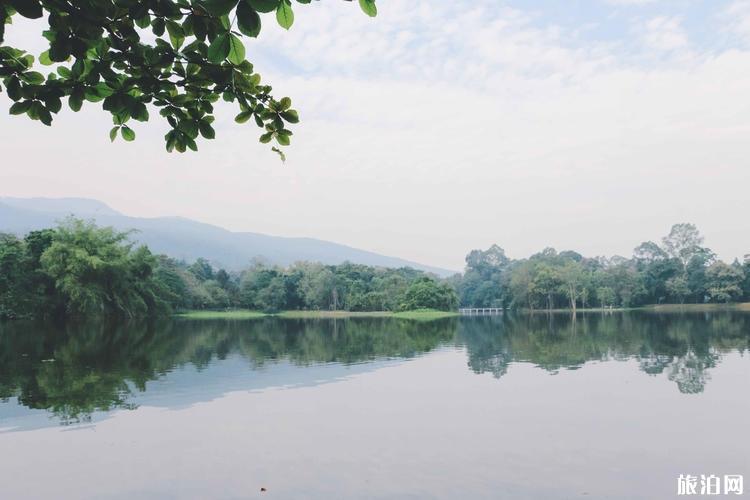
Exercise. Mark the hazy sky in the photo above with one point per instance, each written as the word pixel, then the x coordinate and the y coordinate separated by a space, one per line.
pixel 442 126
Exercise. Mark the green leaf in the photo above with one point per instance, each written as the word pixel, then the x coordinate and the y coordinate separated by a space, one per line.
pixel 176 34
pixel 139 112
pixel 206 130
pixel 92 95
pixel 157 26
pixel 264 5
pixel 127 133
pixel 243 117
pixel 76 100
pixel 28 8
pixel 266 138
pixel 113 133
pixel 285 103
pixel 143 22
pixel 171 140
pixel 236 50
pixel 290 115
pixel 248 20
pixel 13 87
pixel 280 153
pixel 59 50
pixel 282 139
pixel 45 116
pixel 20 108
pixel 53 104
pixel 219 48
pixel 44 58
pixel 219 8
pixel 368 7
pixel 284 14
pixel 33 77
pixel 34 110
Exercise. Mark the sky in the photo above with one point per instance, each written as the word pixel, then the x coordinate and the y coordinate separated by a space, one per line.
pixel 443 126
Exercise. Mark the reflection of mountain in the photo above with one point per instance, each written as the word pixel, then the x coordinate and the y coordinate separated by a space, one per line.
pixel 79 373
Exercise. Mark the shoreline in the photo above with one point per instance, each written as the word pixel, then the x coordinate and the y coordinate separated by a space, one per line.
pixel 428 314
pixel 421 314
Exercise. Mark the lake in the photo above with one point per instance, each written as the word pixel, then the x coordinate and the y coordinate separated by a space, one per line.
pixel 514 407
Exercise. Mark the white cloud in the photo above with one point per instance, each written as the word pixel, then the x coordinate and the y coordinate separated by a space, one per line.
pixel 665 34
pixel 736 19
pixel 630 2
pixel 438 128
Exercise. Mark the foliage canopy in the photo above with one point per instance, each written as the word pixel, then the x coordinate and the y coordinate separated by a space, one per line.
pixel 178 56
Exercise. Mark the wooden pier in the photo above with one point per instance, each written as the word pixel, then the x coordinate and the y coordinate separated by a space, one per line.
pixel 479 311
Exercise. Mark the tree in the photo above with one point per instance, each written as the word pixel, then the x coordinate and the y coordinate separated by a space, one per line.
pixel 522 276
pixel 272 298
pixel 202 269
pixel 573 282
pixel 746 281
pixel 606 296
pixel 428 293
pixel 177 56
pixel 485 280
pixel 11 277
pixel 546 283
pixel 488 261
pixel 683 242
pixel 677 288
pixel 695 274
pixel 96 271
pixel 648 252
pixel 724 282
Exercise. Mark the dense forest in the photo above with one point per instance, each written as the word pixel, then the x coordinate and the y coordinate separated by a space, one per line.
pixel 679 270
pixel 79 269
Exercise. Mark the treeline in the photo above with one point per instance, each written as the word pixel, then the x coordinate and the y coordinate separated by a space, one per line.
pixel 79 269
pixel 679 270
pixel 304 286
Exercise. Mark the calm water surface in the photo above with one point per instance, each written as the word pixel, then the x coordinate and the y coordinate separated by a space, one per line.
pixel 523 407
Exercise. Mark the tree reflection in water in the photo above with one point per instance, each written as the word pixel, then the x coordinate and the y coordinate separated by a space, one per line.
pixel 75 370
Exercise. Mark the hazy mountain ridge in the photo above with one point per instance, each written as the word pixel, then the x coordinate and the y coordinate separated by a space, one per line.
pixel 188 239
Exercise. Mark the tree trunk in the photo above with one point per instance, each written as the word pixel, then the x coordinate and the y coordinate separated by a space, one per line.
pixel 571 293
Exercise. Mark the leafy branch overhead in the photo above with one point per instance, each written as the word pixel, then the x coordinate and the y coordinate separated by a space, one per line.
pixel 178 56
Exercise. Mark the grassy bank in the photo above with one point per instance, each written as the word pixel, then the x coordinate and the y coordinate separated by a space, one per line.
pixel 424 314
pixel 421 314
pixel 432 314
pixel 662 308
pixel 743 306
pixel 233 314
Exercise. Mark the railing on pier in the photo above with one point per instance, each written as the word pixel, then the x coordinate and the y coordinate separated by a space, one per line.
pixel 478 311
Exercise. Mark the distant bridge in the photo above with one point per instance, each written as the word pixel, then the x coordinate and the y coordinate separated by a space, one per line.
pixel 478 311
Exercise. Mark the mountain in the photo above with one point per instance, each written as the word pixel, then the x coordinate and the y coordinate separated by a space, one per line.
pixel 188 239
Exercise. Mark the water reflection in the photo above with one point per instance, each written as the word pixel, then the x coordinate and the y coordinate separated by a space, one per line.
pixel 684 346
pixel 74 371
